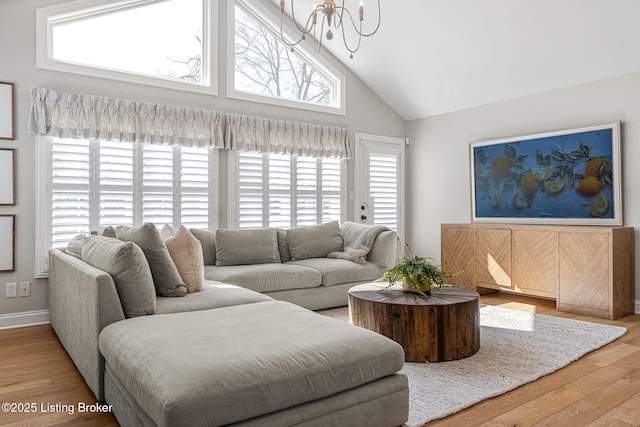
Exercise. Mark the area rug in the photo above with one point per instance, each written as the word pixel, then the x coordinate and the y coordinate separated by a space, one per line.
pixel 515 348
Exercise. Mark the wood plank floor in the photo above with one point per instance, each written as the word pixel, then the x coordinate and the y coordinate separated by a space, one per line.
pixel 601 389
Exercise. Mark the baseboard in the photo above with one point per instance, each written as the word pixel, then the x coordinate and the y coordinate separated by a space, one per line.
pixel 24 319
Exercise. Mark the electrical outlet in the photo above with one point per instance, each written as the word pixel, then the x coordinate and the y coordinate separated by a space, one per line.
pixel 25 289
pixel 12 290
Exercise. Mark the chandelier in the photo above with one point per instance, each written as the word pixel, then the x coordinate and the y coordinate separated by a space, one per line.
pixel 332 16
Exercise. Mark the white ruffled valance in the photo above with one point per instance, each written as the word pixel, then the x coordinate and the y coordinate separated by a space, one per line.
pixel 68 115
pixel 282 137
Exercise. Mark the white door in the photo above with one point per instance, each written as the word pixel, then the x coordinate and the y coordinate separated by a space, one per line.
pixel 380 181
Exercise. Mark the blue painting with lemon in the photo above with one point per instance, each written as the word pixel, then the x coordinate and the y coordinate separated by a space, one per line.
pixel 561 176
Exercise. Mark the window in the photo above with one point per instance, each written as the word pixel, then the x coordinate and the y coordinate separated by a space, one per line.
pixel 285 191
pixel 93 184
pixel 267 70
pixel 163 43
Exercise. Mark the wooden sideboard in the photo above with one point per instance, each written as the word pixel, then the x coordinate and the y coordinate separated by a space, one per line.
pixel 586 269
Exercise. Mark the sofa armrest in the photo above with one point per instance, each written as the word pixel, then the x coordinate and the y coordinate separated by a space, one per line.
pixel 384 250
pixel 82 301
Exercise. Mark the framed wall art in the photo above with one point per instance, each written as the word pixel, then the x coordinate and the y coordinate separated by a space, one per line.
pixel 7 128
pixel 569 177
pixel 7 242
pixel 7 177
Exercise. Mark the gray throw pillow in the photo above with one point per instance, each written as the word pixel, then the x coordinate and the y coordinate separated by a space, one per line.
pixel 166 278
pixel 316 241
pixel 128 266
pixel 74 247
pixel 208 241
pixel 238 247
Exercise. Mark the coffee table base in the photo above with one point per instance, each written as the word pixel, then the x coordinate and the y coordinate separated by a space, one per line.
pixel 444 326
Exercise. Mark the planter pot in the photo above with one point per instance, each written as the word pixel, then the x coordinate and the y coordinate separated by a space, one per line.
pixel 407 288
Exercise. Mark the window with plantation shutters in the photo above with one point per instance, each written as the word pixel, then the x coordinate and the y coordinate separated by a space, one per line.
pixel 98 183
pixel 383 187
pixel 285 191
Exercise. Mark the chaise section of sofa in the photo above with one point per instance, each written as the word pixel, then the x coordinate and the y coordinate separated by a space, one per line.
pixel 258 364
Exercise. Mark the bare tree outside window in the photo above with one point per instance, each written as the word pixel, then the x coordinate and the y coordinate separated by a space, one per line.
pixel 266 66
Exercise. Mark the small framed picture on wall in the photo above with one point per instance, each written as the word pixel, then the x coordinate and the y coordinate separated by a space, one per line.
pixel 7 177
pixel 7 242
pixel 7 128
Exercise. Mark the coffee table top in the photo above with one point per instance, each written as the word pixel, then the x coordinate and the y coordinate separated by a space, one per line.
pixel 444 296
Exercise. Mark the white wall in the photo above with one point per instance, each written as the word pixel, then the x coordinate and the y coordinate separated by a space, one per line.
pixel 438 176
pixel 365 113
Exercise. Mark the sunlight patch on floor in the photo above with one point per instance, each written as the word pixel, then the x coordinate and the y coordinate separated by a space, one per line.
pixel 529 308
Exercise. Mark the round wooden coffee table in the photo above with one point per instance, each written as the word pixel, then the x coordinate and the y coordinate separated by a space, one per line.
pixel 443 326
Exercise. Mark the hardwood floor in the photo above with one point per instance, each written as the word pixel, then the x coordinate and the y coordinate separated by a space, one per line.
pixel 601 389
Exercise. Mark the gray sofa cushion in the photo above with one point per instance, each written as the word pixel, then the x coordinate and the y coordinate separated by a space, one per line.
pixel 212 295
pixel 208 241
pixel 240 247
pixel 74 247
pixel 126 263
pixel 266 277
pixel 338 271
pixel 253 365
pixel 283 245
pixel 166 278
pixel 316 241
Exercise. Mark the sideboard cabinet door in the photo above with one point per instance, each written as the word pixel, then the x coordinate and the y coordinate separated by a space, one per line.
pixel 493 258
pixel 458 254
pixel 583 273
pixel 534 262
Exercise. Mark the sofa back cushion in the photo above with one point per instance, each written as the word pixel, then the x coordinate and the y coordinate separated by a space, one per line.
pixel 237 247
pixel 316 241
pixel 208 241
pixel 166 278
pixel 128 266
pixel 283 245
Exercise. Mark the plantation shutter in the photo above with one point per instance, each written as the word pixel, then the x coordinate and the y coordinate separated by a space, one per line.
pixel 250 181
pixel 70 189
pixel 383 187
pixel 287 191
pixel 194 171
pixel 116 184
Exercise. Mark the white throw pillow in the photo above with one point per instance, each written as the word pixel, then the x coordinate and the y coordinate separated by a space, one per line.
pixel 186 253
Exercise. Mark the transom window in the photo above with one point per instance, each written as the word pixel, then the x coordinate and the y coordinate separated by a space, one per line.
pixel 286 191
pixel 143 41
pixel 264 66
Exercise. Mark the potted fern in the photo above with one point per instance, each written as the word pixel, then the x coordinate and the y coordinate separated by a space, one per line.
pixel 417 274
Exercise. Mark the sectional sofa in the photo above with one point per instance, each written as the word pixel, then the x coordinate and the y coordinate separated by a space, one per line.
pixel 227 352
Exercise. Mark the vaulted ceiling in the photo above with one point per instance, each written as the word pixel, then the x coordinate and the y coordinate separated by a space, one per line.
pixel 436 56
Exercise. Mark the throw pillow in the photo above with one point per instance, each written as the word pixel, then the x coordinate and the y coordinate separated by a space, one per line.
pixel 128 266
pixel 109 231
pixel 238 247
pixel 74 247
pixel 186 253
pixel 208 241
pixel 316 241
pixel 166 278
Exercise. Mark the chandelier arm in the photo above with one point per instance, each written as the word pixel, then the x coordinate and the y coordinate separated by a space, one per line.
pixel 307 28
pixel 283 38
pixel 355 27
pixel 344 38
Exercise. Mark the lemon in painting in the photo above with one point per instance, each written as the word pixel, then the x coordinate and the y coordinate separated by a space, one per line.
pixel 555 185
pixel 542 173
pixel 496 202
pixel 519 202
pixel 590 186
pixel 500 167
pixel 597 167
pixel 529 184
pixel 600 206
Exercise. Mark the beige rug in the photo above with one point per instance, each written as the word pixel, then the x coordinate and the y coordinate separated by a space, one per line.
pixel 516 348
